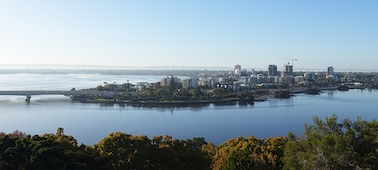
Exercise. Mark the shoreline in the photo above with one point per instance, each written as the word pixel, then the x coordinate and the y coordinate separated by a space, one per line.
pixel 173 103
pixel 276 93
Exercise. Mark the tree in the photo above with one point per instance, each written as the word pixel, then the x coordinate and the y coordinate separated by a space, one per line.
pixel 195 93
pixel 45 152
pixel 250 153
pixel 125 151
pixel 59 132
pixel 332 145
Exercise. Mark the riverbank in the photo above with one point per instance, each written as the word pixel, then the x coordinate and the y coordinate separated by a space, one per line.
pixel 137 100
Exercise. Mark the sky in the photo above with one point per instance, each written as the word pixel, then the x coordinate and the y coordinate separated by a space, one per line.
pixel 191 33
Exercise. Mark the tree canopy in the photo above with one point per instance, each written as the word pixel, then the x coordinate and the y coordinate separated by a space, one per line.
pixel 331 144
pixel 325 144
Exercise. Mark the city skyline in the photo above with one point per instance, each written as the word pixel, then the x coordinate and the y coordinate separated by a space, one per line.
pixel 180 34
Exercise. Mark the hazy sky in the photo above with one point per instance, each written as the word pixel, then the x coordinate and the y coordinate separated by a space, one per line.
pixel 204 33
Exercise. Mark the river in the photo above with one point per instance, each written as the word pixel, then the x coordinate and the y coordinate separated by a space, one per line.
pixel 89 123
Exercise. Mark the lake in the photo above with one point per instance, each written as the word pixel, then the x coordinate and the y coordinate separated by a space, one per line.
pixel 89 123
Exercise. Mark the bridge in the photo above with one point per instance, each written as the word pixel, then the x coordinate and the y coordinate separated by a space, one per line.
pixel 29 93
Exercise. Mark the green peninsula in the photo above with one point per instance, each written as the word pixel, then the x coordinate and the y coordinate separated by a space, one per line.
pixel 171 95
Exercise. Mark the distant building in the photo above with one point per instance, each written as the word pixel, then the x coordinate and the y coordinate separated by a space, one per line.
pixel 288 71
pixel 204 82
pixel 299 78
pixel 194 82
pixel 166 80
pixel 141 85
pixel 257 79
pixel 225 80
pixel 190 82
pixel 243 80
pixel 237 70
pixel 208 82
pixel 253 72
pixel 186 83
pixel 272 70
pixel 309 76
pixel 272 79
pixel 332 77
pixel 244 72
pixel 287 79
pixel 330 71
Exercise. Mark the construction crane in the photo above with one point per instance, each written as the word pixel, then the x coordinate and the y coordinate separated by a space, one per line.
pixel 292 60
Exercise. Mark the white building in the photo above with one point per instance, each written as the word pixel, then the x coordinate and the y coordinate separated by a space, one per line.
pixel 237 70
pixel 203 82
pixel 309 76
pixel 257 79
pixel 190 82
pixel 212 81
pixel 141 85
pixel 243 80
pixel 166 80
pixel 332 77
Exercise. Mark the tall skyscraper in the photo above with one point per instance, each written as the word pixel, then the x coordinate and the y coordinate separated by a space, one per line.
pixel 272 70
pixel 330 70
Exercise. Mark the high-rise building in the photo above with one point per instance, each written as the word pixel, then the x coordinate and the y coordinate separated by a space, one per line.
pixel 288 71
pixel 237 69
pixel 330 71
pixel 272 70
pixel 289 68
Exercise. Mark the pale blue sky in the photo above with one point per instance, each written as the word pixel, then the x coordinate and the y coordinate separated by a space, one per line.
pixel 202 33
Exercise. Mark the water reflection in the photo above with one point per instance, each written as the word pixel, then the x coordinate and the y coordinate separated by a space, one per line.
pixel 330 93
pixel 172 107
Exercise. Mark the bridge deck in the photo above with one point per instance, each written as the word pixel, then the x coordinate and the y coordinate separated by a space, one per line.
pixel 60 92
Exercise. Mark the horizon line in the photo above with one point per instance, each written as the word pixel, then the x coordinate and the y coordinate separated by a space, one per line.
pixel 80 66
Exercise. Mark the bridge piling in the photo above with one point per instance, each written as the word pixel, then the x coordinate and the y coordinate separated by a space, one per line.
pixel 28 97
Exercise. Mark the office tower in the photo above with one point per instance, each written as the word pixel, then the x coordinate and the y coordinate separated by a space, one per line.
pixel 330 70
pixel 272 70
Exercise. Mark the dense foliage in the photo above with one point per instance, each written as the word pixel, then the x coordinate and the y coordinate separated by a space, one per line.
pixel 48 151
pixel 116 151
pixel 326 144
pixel 124 151
pixel 250 153
pixel 332 145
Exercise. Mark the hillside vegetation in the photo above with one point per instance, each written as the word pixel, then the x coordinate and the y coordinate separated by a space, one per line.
pixel 325 144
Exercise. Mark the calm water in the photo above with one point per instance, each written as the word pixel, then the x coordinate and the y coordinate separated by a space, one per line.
pixel 89 123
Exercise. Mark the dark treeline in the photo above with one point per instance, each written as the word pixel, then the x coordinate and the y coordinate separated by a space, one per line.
pixel 326 144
